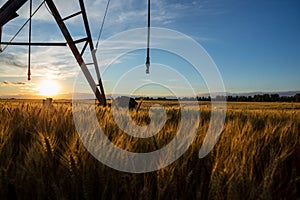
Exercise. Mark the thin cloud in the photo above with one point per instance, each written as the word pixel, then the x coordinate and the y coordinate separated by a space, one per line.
pixel 45 62
pixel 5 83
pixel 122 15
pixel 11 60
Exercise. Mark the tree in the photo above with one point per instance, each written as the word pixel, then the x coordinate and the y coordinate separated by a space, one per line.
pixel 297 98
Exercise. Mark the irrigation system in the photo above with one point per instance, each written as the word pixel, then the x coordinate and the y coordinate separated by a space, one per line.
pixel 9 11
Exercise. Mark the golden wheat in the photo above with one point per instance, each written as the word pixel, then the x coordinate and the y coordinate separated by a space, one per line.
pixel 257 155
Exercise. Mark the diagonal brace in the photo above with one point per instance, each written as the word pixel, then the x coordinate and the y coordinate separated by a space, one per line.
pixel 76 53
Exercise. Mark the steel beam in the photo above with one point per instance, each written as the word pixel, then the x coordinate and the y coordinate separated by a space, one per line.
pixel 90 41
pixel 71 16
pixel 9 9
pixel 34 43
pixel 76 53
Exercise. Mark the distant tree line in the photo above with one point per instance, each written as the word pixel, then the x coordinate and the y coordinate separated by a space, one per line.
pixel 255 98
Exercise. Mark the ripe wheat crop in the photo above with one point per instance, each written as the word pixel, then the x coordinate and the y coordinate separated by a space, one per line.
pixel 256 157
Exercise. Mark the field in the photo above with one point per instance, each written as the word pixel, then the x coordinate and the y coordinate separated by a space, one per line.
pixel 256 157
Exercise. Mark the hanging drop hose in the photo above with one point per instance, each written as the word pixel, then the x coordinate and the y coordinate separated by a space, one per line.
pixel 29 47
pixel 148 41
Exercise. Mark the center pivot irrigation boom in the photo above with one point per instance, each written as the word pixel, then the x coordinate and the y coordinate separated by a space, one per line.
pixel 8 12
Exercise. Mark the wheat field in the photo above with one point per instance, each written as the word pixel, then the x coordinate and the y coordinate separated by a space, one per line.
pixel 256 157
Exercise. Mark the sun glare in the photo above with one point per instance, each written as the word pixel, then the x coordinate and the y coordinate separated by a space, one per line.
pixel 48 88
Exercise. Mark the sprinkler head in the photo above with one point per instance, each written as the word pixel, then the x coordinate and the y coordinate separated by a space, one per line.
pixel 147 65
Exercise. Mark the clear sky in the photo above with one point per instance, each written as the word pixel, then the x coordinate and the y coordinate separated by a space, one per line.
pixel 255 44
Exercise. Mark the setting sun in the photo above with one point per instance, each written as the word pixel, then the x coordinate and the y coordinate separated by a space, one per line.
pixel 48 88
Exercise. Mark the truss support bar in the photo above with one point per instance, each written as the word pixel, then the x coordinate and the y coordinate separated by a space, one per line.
pixel 100 97
pixel 71 16
pixel 86 24
pixel 80 40
pixel 93 51
pixel 84 48
pixel 97 71
pixel 89 39
pixel 33 44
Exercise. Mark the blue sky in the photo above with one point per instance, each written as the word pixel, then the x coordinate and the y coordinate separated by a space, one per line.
pixel 255 44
